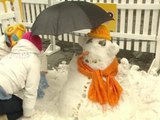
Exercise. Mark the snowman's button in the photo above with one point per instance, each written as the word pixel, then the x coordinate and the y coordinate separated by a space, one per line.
pixel 78 106
pixel 85 87
pixel 88 82
pixel 76 118
pixel 84 95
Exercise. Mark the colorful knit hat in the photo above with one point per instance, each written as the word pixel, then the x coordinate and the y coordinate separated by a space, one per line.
pixel 35 39
pixel 100 32
pixel 14 33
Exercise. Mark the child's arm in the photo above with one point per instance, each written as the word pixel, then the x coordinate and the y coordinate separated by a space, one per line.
pixel 30 92
pixel 44 63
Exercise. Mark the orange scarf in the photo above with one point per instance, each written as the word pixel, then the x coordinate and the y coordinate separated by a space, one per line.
pixel 102 91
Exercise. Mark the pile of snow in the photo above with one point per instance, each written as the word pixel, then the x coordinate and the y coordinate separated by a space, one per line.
pixel 145 89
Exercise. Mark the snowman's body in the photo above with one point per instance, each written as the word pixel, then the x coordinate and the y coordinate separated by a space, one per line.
pixel 74 102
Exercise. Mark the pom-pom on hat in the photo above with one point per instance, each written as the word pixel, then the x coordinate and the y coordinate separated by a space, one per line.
pixel 100 32
pixel 35 39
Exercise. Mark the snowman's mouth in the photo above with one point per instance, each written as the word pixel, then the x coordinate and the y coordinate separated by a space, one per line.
pixel 89 60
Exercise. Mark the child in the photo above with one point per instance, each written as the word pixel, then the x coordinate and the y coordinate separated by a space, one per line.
pixel 20 70
pixel 12 35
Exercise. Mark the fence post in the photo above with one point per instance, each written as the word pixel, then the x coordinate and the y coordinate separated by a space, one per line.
pixel 155 65
pixel 18 11
pixel 157 56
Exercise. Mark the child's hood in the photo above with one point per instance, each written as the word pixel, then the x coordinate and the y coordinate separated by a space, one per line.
pixel 25 46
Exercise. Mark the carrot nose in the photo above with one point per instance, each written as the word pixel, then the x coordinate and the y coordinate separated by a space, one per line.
pixel 84 53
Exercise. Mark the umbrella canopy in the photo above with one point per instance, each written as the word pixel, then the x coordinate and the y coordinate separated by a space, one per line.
pixel 69 16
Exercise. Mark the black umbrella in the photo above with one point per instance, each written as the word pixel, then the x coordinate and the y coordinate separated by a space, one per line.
pixel 69 16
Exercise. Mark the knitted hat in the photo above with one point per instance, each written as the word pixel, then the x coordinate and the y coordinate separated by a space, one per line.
pixel 14 33
pixel 100 32
pixel 35 39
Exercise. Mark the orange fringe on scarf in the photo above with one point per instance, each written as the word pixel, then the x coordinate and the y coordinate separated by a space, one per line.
pixel 102 91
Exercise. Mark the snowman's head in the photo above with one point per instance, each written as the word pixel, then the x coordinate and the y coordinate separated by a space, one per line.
pixel 99 48
pixel 100 52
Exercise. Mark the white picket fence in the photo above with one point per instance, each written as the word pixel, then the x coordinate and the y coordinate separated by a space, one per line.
pixel 138 24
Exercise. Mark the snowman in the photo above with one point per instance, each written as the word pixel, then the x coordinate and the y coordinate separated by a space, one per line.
pixel 97 86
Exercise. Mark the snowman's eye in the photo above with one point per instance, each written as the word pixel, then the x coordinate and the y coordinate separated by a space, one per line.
pixel 89 41
pixel 102 43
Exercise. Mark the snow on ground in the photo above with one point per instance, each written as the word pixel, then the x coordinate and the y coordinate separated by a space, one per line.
pixel 147 109
pixel 45 107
